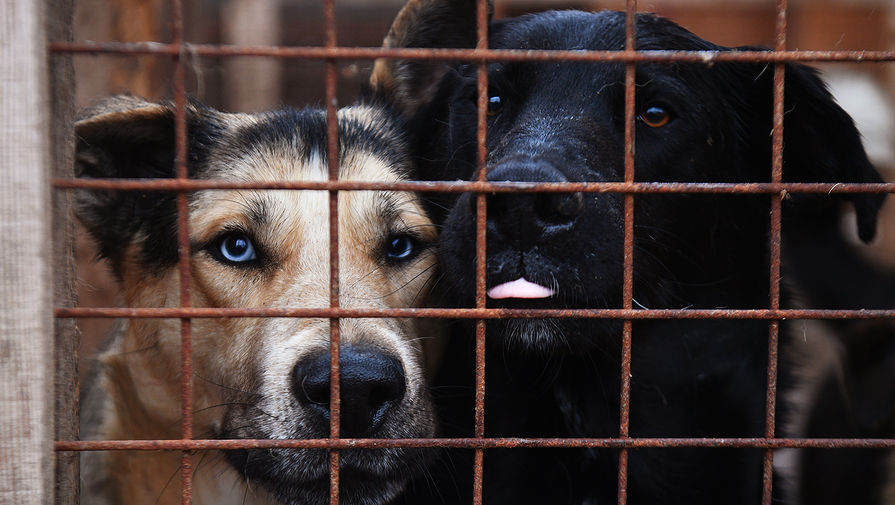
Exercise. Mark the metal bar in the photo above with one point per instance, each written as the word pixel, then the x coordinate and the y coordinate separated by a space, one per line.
pixel 332 150
pixel 628 260
pixel 483 186
pixel 183 240
pixel 183 243
pixel 775 246
pixel 483 313
pixel 481 251
pixel 474 55
pixel 475 443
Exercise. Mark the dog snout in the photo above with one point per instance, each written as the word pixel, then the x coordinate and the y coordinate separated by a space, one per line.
pixel 372 384
pixel 530 218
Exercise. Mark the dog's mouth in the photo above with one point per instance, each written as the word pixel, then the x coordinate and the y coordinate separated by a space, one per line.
pixel 378 401
pixel 301 476
pixel 518 279
pixel 522 293
pixel 520 289
pixel 526 281
pixel 356 485
pixel 548 277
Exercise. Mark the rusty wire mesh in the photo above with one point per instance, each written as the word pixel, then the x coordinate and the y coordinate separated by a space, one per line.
pixel 178 50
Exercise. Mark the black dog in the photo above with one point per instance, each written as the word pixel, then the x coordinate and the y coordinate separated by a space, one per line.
pixel 562 121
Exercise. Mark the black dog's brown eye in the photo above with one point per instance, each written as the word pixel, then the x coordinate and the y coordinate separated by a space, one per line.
pixel 495 104
pixel 655 116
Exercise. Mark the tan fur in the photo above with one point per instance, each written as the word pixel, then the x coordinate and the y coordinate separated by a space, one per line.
pixel 140 378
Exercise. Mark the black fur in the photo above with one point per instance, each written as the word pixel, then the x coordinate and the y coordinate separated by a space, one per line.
pixel 138 145
pixel 560 378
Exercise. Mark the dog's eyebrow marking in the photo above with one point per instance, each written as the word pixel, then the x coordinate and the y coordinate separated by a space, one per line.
pixel 258 211
pixel 388 208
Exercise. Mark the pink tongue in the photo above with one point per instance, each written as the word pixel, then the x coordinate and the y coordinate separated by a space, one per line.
pixel 519 288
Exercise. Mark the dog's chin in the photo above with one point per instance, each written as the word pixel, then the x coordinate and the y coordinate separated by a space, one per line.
pixel 539 336
pixel 553 336
pixel 355 488
pixel 301 476
pixel 360 488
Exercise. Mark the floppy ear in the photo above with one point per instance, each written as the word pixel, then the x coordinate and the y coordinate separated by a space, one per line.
pixel 126 137
pixel 822 144
pixel 423 24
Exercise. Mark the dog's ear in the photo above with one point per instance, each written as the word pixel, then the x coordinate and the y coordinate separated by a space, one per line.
pixel 423 24
pixel 125 137
pixel 821 144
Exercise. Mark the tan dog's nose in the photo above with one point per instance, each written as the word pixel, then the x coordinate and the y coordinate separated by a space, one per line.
pixel 372 384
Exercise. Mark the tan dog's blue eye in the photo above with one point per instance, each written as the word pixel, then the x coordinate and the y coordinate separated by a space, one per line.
pixel 237 248
pixel 495 104
pixel 401 247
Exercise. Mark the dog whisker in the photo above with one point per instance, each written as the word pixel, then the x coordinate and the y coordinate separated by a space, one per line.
pixel 230 404
pixel 174 474
pixel 222 386
pixel 642 306
pixel 151 347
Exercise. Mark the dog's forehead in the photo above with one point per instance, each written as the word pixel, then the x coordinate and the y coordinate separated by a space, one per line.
pixel 576 86
pixel 560 30
pixel 598 31
pixel 291 144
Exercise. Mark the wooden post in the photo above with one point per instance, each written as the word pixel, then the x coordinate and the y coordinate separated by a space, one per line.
pixel 26 324
pixel 60 14
pixel 136 21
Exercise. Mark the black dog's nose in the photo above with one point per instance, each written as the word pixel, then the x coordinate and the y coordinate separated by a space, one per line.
pixel 529 218
pixel 371 382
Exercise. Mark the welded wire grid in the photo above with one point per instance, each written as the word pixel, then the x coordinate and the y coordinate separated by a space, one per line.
pixel 331 53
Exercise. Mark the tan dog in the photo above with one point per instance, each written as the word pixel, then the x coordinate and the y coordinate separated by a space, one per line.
pixel 255 377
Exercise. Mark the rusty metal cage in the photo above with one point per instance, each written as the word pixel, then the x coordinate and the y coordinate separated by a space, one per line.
pixel 179 50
